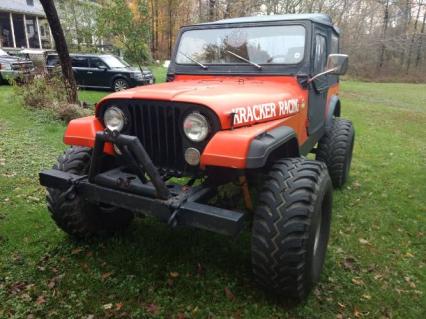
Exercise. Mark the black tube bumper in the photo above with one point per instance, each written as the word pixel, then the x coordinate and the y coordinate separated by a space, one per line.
pixel 171 203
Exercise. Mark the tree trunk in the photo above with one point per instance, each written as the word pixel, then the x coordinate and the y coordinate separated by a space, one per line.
pixel 77 32
pixel 410 49
pixel 385 28
pixel 170 28
pixel 212 5
pixel 200 11
pixel 153 49
pixel 420 44
pixel 61 48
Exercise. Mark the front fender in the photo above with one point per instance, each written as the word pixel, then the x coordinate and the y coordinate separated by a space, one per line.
pixel 82 132
pixel 333 109
pixel 247 147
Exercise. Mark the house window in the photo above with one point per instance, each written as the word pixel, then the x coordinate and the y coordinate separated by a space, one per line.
pixel 18 26
pixel 45 34
pixel 6 37
pixel 32 33
pixel 30 2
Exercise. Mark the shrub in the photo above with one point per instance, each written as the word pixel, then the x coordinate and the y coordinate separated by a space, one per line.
pixel 47 92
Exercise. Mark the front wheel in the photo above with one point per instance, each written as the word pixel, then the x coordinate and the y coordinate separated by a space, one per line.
pixel 76 216
pixel 120 85
pixel 291 227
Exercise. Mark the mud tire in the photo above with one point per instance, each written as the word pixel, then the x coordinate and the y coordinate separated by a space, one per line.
pixel 335 150
pixel 76 216
pixel 291 227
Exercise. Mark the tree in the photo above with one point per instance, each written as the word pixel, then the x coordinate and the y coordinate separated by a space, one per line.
pixel 61 48
pixel 78 19
pixel 127 23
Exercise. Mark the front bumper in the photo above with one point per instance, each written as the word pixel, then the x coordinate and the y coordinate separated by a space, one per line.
pixel 171 203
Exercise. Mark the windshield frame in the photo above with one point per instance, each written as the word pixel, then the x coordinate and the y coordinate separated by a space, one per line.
pixel 242 62
pixel 245 68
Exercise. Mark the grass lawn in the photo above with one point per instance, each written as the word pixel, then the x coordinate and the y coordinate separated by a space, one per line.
pixel 375 266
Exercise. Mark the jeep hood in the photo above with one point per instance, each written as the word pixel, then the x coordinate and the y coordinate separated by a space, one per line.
pixel 222 96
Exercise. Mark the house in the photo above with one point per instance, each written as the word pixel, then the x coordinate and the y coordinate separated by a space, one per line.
pixel 23 24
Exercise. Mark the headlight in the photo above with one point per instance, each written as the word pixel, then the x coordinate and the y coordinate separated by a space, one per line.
pixel 196 127
pixel 114 119
pixel 137 76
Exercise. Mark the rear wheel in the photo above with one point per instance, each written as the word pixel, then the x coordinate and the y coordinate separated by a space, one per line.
pixel 291 227
pixel 73 214
pixel 120 85
pixel 335 150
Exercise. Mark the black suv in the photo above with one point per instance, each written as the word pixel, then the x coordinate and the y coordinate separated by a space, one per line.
pixel 104 71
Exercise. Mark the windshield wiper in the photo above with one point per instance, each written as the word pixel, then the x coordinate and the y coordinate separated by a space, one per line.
pixel 205 67
pixel 259 67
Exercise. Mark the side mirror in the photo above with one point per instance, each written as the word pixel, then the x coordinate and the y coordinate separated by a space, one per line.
pixel 338 63
pixel 102 67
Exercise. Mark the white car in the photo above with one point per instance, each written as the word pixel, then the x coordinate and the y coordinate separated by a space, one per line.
pixel 14 68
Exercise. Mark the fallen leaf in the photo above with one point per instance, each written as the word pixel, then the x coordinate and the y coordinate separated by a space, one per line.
pixel 174 274
pixel 118 306
pixel 366 296
pixel 76 251
pixel 357 313
pixel 107 306
pixel 152 308
pixel 358 281
pixel 40 300
pixel 349 263
pixel 106 275
pixel 51 284
pixel 363 241
pixel 229 294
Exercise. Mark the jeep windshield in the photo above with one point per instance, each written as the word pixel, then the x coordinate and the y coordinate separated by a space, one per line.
pixel 257 45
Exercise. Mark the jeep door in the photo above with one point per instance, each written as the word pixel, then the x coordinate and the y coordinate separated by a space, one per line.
pixel 99 73
pixel 319 88
pixel 80 66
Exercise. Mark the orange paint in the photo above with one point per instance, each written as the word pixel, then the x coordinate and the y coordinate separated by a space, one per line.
pixel 82 132
pixel 222 94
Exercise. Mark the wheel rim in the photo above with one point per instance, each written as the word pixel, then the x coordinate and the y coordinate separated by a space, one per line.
pixel 120 85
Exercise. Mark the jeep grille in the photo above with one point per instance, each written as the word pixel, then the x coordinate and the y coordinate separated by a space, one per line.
pixel 158 125
pixel 157 128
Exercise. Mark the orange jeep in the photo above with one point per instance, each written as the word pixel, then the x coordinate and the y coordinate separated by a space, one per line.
pixel 245 101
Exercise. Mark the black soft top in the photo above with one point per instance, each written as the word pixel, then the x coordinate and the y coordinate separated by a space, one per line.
pixel 314 17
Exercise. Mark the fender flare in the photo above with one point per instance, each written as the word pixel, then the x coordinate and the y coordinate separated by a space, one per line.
pixel 119 76
pixel 332 110
pixel 282 139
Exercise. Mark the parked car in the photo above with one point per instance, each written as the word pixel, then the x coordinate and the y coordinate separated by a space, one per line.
pixel 105 71
pixel 14 68
pixel 37 56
